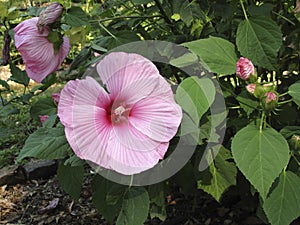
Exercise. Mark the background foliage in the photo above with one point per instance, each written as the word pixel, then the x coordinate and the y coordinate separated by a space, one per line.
pixel 260 146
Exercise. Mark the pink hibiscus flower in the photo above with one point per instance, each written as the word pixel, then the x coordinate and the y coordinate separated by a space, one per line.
pixel 37 51
pixel 128 128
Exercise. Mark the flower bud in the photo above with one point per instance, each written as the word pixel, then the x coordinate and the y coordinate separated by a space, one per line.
pixel 244 68
pixel 251 88
pixel 270 101
pixel 49 15
pixel 55 97
pixel 295 142
pixel 43 118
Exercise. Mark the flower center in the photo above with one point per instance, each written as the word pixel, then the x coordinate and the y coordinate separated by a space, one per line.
pixel 119 114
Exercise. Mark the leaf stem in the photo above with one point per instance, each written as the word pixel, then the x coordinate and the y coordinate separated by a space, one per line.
pixel 107 31
pixel 283 17
pixel 244 10
pixel 283 94
pixel 284 102
pixel 263 116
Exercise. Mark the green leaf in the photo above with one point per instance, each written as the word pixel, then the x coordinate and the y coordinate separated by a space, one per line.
pixel 157 201
pixel 6 132
pixel 294 91
pixel 80 59
pixel 44 106
pixel 139 2
pixel 195 96
pixel 74 161
pixel 283 204
pixel 260 155
pixel 102 188
pixel 259 39
pixel 7 110
pixel 70 178
pixel 183 8
pixel 219 176
pixel 46 143
pixel 3 11
pixel 217 53
pixel 76 17
pixel 4 84
pixel 18 76
pixel 56 39
pixel 184 60
pixel 135 207
pixel 247 103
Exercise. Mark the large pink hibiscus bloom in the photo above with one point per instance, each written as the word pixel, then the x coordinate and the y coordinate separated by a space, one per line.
pixel 37 51
pixel 128 128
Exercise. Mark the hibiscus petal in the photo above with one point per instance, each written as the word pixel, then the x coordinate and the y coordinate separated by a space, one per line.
pixel 128 162
pixel 66 101
pixel 133 139
pixel 120 70
pixel 156 118
pixel 89 92
pixel 88 134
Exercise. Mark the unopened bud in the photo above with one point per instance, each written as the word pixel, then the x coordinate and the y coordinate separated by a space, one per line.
pixel 55 97
pixel 49 15
pixel 43 118
pixel 251 88
pixel 270 101
pixel 244 68
pixel 295 142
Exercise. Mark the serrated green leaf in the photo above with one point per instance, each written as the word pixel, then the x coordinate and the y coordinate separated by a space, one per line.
pixel 70 178
pixel 259 39
pixel 18 75
pixel 260 155
pixel 294 91
pixel 219 176
pixel 101 187
pixel 217 53
pixel 283 204
pixel 44 106
pixel 76 17
pixel 135 207
pixel 195 96
pixel 46 143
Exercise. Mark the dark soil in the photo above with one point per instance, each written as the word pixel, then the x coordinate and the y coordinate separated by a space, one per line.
pixel 34 203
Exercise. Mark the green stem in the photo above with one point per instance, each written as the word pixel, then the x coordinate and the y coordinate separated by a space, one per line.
pixel 244 11
pixel 283 94
pixel 164 15
pixel 283 17
pixel 294 157
pixel 284 102
pixel 107 31
pixel 126 17
pixel 263 117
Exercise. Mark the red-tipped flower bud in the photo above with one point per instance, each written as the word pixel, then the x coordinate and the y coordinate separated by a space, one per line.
pixel 49 15
pixel 270 101
pixel 251 88
pixel 244 68
pixel 55 97
pixel 43 118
